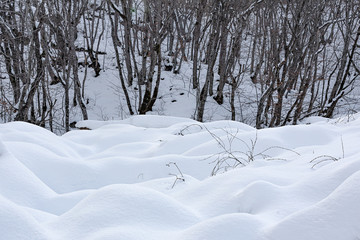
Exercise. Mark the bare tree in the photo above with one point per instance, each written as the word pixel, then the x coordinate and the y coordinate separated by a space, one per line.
pixel 300 57
pixel 94 27
pixel 63 20
pixel 20 42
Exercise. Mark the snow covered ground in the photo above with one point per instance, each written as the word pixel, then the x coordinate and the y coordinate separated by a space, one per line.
pixel 149 177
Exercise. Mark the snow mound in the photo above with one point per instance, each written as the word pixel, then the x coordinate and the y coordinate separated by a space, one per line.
pixel 149 177
pixel 123 206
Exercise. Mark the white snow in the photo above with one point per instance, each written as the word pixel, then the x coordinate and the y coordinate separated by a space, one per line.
pixel 120 180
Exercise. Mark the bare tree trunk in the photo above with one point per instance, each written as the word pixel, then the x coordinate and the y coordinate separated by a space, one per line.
pixel 114 29
pixel 127 39
pixel 223 64
pixel 196 42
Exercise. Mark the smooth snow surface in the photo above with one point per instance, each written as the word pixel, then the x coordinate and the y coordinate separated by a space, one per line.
pixel 123 180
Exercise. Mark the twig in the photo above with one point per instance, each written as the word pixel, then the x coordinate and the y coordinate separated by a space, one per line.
pixel 328 157
pixel 186 128
pixel 177 177
pixel 227 154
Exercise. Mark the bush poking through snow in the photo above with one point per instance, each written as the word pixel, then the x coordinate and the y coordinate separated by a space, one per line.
pixel 321 159
pixel 230 158
pixel 324 158
pixel 178 177
pixel 188 129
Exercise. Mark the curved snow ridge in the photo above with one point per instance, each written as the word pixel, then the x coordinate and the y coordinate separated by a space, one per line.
pixel 22 132
pixel 17 223
pixel 334 217
pixel 144 121
pixel 258 197
pixel 124 205
pixel 18 183
pixel 230 227
pixel 302 135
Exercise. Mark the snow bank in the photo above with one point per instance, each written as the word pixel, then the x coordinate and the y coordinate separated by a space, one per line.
pixel 148 177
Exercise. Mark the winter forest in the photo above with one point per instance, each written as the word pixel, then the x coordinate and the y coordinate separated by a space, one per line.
pixel 179 119
pixel 265 62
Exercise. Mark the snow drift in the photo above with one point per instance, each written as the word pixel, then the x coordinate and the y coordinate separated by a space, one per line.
pixel 149 177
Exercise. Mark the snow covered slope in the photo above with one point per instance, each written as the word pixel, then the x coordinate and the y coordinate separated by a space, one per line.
pixel 149 177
